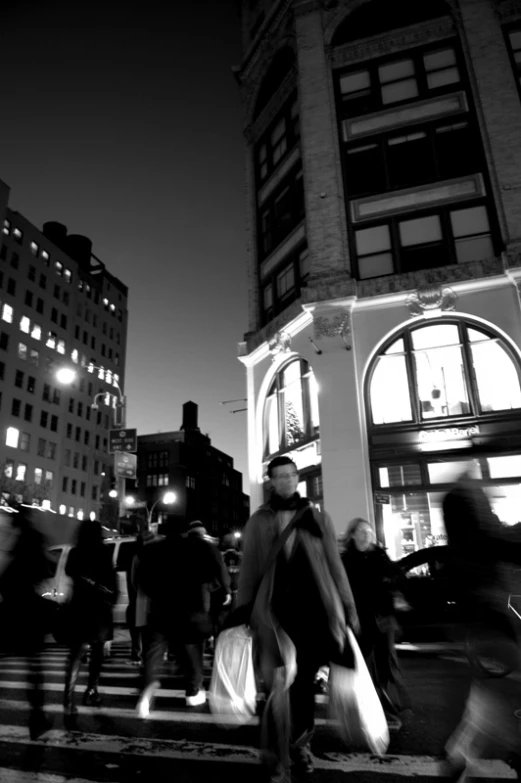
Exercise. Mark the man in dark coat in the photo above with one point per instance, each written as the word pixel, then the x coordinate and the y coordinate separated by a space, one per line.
pixel 298 609
pixel 177 574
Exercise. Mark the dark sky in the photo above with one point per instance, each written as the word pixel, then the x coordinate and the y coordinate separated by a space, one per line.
pixel 125 124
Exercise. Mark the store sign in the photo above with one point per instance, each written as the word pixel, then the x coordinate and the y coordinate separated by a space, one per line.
pixel 382 497
pixel 448 433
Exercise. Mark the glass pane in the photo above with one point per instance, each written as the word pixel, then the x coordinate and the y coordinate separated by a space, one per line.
pixel 474 249
pixel 515 39
pixel 496 377
pixel 354 82
pixel 466 222
pixel 413 521
pixel 396 347
pixel 375 266
pixel 440 78
pixel 313 402
pixel 293 405
pixel 268 297
pixel 504 467
pixel 433 336
pixel 285 281
pixel 278 132
pixel 447 472
pixel 420 231
pixel 441 382
pixel 395 70
pixel 272 439
pixel 373 240
pixel 399 91
pixel 399 475
pixel 390 391
pixel 439 59
pixel 506 502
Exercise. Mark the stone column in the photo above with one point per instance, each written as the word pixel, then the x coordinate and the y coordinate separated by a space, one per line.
pixel 324 198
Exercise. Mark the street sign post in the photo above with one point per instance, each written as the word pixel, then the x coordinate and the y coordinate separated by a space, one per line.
pixel 122 440
pixel 125 465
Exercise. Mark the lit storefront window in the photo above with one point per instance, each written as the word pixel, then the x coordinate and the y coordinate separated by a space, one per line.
pixel 427 375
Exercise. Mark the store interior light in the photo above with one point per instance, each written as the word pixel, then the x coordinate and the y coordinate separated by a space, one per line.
pixel 446 445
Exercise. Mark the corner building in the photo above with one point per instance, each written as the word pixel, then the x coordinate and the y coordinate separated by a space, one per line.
pixel 59 306
pixel 383 167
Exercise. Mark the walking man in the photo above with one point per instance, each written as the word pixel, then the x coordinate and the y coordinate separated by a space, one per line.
pixel 295 595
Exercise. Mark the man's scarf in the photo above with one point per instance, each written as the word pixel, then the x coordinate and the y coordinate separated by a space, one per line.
pixel 302 506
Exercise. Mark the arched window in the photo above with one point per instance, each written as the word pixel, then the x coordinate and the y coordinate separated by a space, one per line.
pixel 291 411
pixel 275 75
pixel 378 16
pixel 443 369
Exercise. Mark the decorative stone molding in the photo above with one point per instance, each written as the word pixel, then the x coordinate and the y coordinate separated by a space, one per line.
pixel 512 257
pixel 387 43
pixel 280 343
pixel 254 130
pixel 428 298
pixel 333 321
pixel 324 287
pixel 392 284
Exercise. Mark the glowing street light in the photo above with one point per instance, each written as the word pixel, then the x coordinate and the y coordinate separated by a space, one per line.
pixel 168 499
pixel 66 375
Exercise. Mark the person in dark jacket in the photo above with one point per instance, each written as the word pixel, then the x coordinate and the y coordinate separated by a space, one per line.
pixel 480 548
pixel 298 607
pixel 25 614
pixel 90 612
pixel 177 574
pixel 374 578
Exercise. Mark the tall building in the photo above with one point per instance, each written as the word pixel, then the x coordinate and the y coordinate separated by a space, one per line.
pixel 383 165
pixel 206 485
pixel 59 306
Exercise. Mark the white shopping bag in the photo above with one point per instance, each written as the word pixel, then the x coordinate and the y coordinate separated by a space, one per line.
pixel 355 706
pixel 233 694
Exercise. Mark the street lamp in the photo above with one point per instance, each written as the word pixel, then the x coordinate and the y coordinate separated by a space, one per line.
pixel 67 376
pixel 168 499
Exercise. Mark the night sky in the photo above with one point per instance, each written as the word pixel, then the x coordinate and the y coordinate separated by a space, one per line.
pixel 125 125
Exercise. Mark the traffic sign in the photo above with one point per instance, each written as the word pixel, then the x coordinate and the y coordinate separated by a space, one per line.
pixel 125 464
pixel 122 440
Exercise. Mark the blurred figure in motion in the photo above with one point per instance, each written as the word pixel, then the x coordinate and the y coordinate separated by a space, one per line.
pixel 25 614
pixel 479 549
pixel 90 623
pixel 138 603
pixel 374 578
pixel 177 574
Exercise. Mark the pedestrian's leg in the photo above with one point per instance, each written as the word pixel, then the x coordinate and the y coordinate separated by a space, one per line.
pixel 155 646
pixel 302 702
pixel 71 675
pixel 37 720
pixel 195 694
pixel 91 696
pixel 275 721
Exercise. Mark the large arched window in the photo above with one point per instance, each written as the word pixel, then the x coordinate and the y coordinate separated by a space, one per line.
pixel 291 410
pixel 442 370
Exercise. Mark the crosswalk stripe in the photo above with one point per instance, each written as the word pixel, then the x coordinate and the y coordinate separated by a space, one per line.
pixel 404 766
pixel 115 690
pixel 23 776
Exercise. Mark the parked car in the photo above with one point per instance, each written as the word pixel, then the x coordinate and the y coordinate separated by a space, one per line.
pixel 58 587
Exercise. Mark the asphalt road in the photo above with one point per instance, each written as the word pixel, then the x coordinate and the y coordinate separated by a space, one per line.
pixel 185 745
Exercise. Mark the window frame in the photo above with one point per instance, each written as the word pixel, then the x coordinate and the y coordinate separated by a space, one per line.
pixel 291 135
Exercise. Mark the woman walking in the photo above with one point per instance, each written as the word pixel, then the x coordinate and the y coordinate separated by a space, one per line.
pixel 94 594
pixel 373 578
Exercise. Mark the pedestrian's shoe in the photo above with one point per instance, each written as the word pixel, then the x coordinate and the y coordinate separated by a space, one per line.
pixel 38 724
pixel 454 771
pixel 145 700
pixel 91 698
pixel 394 722
pixel 302 760
pixel 196 699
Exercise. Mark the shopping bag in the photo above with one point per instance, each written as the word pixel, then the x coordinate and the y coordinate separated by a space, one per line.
pixel 233 694
pixel 354 704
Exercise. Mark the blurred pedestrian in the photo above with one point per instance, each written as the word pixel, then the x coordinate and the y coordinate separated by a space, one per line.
pixel 374 579
pixel 479 549
pixel 177 575
pixel 137 609
pixel 25 614
pixel 295 595
pixel 94 594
